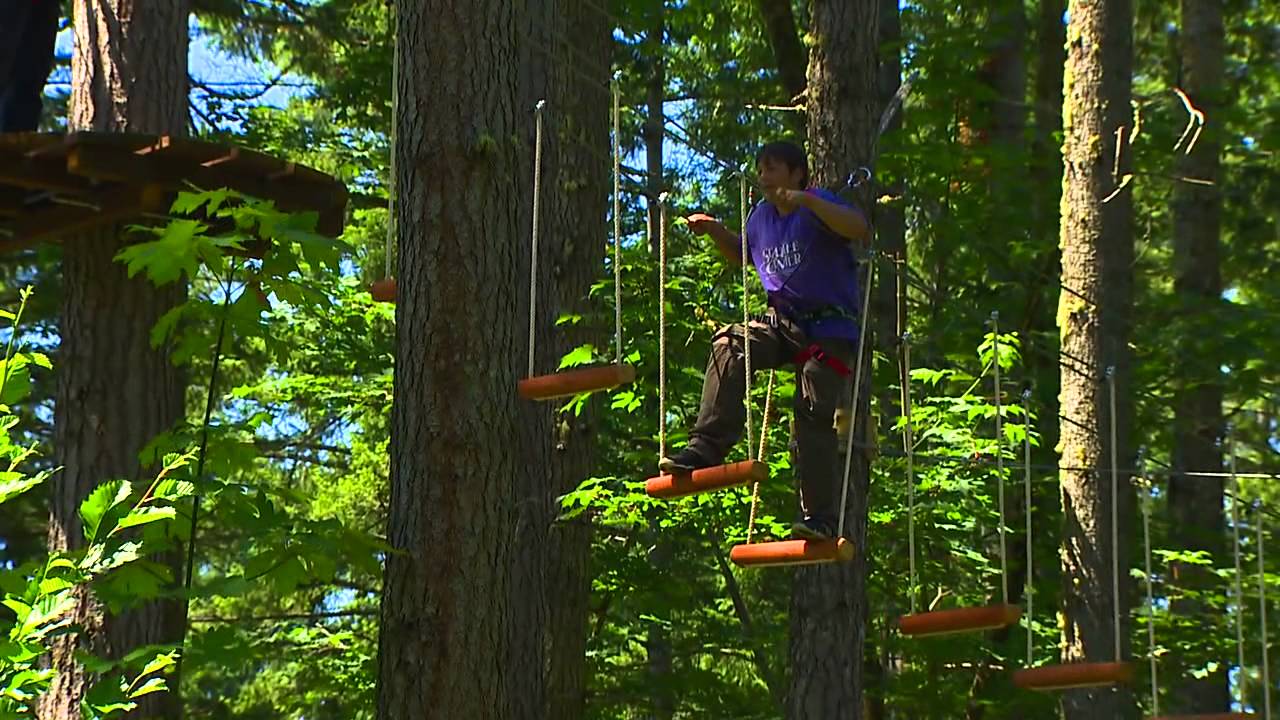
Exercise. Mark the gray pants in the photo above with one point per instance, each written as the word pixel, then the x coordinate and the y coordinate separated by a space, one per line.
pixel 775 342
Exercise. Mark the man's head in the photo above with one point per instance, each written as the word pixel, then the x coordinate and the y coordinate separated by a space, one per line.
pixel 783 165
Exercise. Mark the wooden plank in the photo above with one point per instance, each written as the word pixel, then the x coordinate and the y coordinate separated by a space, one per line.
pixel 55 221
pixel 328 198
pixel 39 174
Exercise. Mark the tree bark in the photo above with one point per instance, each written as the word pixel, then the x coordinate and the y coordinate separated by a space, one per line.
pixel 828 603
pixel 1195 503
pixel 1097 258
pixel 788 51
pixel 460 350
pixel 577 250
pixel 115 392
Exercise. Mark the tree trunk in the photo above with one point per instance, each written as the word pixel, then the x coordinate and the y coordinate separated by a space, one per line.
pixel 115 392
pixel 460 350
pixel 551 586
pixel 1097 258
pixel 1195 503
pixel 828 603
pixel 528 611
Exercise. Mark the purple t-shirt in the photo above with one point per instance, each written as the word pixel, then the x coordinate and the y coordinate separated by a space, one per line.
pixel 806 267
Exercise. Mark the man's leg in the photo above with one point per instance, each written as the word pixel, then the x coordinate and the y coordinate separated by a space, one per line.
pixel 820 389
pixel 722 412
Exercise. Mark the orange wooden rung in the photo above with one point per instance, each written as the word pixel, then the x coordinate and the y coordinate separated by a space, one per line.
pixel 1208 716
pixel 959 620
pixel 384 290
pixel 792 552
pixel 572 382
pixel 1074 675
pixel 706 479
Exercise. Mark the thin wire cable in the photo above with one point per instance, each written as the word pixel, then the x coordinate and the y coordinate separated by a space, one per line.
pixel 1262 611
pixel 857 387
pixel 1239 585
pixel 1151 603
pixel 746 312
pixel 1004 554
pixel 662 324
pixel 1115 515
pixel 537 199
pixel 617 221
pixel 1030 591
pixel 908 448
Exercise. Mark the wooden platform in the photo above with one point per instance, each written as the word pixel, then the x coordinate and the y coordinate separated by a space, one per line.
pixel 53 184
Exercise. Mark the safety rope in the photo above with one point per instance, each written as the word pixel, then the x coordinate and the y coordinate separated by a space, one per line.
pixel 1262 619
pixel 533 263
pixel 1145 503
pixel 1004 555
pixel 857 387
pixel 746 312
pixel 1026 481
pixel 908 449
pixel 617 220
pixel 764 440
pixel 1115 515
pixel 662 324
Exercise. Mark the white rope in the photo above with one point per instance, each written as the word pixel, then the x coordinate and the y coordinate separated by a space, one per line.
pixel 533 263
pixel 662 324
pixel 617 220
pixel 395 114
pixel 908 448
pixel 746 314
pixel 764 437
pixel 857 387
pixel 1151 603
pixel 1262 611
pixel 1235 535
pixel 1115 530
pixel 1004 554
pixel 1026 463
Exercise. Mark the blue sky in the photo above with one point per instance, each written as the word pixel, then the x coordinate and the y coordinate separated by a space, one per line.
pixel 207 65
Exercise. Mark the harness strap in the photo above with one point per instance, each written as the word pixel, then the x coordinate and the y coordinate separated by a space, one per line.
pixel 815 352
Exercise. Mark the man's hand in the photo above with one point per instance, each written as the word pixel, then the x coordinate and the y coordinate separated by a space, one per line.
pixel 701 224
pixel 727 242
pixel 785 199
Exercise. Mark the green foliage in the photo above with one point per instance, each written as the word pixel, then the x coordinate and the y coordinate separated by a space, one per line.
pixel 41 598
pixel 295 493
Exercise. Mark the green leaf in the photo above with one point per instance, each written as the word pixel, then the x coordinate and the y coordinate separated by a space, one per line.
pixel 145 515
pixel 155 684
pixel 167 259
pixel 581 355
pixel 160 662
pixel 105 498
pixel 13 484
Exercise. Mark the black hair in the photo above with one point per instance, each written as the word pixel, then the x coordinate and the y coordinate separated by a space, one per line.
pixel 788 154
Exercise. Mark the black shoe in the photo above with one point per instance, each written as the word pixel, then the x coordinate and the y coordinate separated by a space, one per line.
pixel 685 461
pixel 814 528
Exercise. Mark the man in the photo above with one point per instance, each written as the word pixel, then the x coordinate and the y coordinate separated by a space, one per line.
pixel 28 29
pixel 801 242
